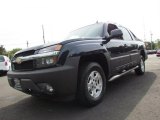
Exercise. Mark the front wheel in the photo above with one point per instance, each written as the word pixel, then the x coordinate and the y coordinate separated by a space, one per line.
pixel 141 67
pixel 92 84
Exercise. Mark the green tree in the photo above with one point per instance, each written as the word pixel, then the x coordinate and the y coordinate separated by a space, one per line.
pixel 12 52
pixel 153 46
pixel 2 50
pixel 158 44
pixel 148 45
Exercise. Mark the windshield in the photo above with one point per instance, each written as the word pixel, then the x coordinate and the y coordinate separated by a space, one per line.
pixel 91 31
pixel 1 59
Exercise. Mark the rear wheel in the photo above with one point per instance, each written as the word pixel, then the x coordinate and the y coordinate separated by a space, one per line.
pixel 92 84
pixel 141 67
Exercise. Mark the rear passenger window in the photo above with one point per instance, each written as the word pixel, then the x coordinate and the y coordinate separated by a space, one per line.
pixel 133 35
pixel 126 35
pixel 1 59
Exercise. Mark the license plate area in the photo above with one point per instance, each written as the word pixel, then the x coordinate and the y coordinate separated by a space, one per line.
pixel 17 84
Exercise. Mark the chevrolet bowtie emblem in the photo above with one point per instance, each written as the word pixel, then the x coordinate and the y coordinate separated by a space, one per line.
pixel 18 60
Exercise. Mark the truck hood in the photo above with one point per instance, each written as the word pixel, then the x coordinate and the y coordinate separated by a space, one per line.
pixel 63 42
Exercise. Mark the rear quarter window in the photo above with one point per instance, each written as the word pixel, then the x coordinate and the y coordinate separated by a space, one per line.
pixel 1 59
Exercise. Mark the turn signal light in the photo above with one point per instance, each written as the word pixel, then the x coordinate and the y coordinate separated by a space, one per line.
pixel 57 47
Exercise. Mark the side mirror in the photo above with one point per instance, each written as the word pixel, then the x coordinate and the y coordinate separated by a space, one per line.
pixel 115 34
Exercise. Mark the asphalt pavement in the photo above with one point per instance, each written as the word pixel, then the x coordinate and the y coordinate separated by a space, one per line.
pixel 130 97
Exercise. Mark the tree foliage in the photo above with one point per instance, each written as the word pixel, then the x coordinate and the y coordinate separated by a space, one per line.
pixel 158 44
pixel 12 52
pixel 150 46
pixel 2 50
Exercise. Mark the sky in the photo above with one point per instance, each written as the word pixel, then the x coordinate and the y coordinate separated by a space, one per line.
pixel 22 20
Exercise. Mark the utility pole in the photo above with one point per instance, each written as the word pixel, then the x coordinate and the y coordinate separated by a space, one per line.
pixel 43 34
pixel 144 35
pixel 151 40
pixel 27 43
pixel 158 43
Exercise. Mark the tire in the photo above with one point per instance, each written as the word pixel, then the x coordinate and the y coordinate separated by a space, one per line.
pixel 141 67
pixel 5 73
pixel 91 85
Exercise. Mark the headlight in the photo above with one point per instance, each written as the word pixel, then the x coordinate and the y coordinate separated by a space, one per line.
pixel 49 56
pixel 50 49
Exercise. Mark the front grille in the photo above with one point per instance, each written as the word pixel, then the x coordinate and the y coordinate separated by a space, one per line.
pixel 27 65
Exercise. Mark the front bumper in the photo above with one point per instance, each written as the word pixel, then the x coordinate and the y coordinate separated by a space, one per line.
pixel 63 80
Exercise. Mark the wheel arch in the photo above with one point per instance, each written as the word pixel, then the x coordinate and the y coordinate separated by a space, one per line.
pixel 98 58
pixel 142 53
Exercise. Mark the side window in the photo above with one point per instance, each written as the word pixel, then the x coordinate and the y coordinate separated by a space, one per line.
pixel 111 27
pixel 126 35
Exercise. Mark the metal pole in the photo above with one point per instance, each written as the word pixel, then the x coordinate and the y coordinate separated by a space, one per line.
pixel 144 30
pixel 27 44
pixel 43 34
pixel 158 43
pixel 151 41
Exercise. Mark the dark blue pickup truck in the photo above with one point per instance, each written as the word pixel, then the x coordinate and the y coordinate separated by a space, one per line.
pixel 81 66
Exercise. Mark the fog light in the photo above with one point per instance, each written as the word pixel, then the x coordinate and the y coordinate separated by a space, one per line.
pixel 49 88
pixel 45 87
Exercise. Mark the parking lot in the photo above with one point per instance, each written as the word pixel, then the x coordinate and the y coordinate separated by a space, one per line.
pixel 130 97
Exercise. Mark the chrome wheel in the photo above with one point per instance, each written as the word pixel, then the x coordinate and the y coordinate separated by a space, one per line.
pixel 142 65
pixel 92 86
pixel 95 84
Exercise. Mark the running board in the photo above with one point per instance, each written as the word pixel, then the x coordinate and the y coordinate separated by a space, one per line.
pixel 125 72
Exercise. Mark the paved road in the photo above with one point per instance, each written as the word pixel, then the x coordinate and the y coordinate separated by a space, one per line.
pixel 128 98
